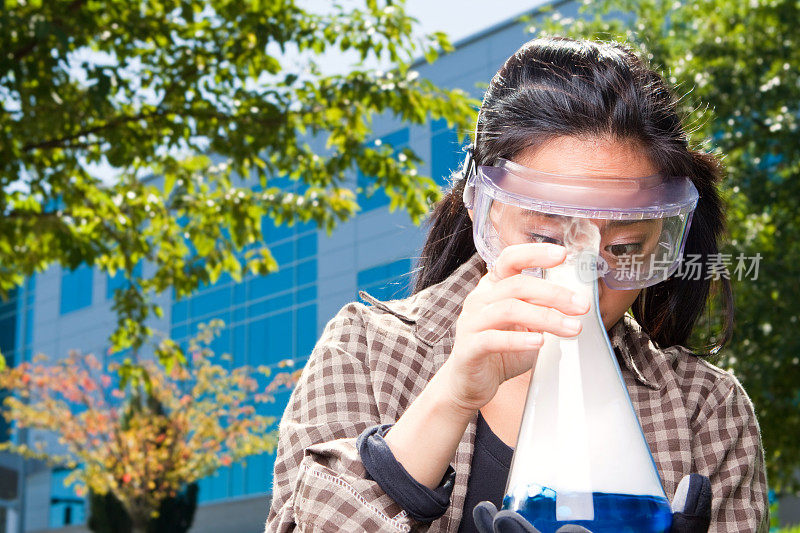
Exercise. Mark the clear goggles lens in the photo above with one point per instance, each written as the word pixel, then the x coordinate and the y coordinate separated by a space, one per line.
pixel 641 223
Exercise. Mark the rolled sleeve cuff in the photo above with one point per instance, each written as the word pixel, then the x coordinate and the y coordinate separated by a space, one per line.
pixel 420 502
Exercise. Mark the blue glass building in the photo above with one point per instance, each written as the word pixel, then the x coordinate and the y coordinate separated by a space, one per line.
pixel 16 341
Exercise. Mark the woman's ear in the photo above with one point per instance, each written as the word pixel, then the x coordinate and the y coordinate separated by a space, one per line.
pixel 469 212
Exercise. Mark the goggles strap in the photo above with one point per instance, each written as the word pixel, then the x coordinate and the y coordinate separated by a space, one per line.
pixel 469 169
pixel 468 173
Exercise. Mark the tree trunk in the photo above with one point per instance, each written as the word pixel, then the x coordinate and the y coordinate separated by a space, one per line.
pixel 139 522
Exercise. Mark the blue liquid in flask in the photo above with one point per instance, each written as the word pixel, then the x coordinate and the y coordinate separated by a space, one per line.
pixel 613 513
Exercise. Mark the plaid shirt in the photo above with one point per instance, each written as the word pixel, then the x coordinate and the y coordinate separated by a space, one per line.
pixel 371 362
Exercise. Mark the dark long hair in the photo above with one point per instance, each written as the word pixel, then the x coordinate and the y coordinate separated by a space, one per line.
pixel 561 87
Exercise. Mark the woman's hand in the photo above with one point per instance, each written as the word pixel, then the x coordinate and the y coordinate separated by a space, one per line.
pixel 498 335
pixel 499 330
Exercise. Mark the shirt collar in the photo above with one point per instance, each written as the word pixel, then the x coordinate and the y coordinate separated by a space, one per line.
pixel 638 352
pixel 443 301
pixel 433 312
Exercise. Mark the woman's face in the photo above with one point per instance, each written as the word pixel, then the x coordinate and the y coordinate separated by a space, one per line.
pixel 593 157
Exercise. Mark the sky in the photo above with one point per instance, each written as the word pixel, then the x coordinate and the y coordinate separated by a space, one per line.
pixel 457 18
pixel 460 18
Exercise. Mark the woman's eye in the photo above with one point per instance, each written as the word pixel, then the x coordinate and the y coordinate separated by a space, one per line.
pixel 538 237
pixel 624 248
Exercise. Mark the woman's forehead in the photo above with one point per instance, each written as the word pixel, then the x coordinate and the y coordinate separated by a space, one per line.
pixel 588 157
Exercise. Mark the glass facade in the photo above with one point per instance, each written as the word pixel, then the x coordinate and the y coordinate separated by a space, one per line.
pixel 389 281
pixel 446 151
pixel 8 345
pixel 76 288
pixel 16 332
pixel 8 323
pixel 118 281
pixel 397 140
pixel 16 339
pixel 268 319
pixel 66 508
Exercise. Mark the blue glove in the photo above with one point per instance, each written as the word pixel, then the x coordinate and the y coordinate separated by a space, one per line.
pixel 691 512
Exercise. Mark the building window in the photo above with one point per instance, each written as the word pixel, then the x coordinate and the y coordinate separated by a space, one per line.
pixel 8 346
pixel 66 508
pixel 267 319
pixel 446 152
pixel 390 281
pixel 118 281
pixel 8 323
pixel 16 336
pixel 76 288
pixel 397 140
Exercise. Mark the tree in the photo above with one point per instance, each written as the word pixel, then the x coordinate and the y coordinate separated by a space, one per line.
pixel 176 513
pixel 737 67
pixel 143 445
pixel 198 94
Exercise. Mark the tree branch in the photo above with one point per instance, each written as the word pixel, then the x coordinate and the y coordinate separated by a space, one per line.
pixel 59 142
pixel 54 143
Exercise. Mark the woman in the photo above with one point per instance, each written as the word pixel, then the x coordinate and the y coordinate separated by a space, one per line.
pixel 407 411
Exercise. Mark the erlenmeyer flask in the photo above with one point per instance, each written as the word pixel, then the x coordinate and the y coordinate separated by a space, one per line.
pixel 581 457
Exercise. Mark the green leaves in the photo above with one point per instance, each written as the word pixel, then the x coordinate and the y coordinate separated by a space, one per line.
pixel 194 110
pixel 736 66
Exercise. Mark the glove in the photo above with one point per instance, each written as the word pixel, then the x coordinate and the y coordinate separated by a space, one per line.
pixel 691 512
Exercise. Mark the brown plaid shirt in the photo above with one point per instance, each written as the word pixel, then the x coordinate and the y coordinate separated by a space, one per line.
pixel 371 362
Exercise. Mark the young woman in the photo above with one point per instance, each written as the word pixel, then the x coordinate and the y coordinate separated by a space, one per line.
pixel 407 412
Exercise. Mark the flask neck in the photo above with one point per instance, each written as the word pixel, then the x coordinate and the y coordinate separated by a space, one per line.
pixel 579 273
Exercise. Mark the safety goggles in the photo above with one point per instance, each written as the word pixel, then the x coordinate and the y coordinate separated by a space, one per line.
pixel 642 223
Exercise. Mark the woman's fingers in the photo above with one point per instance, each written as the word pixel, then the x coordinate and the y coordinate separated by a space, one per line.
pixel 515 258
pixel 499 341
pixel 499 330
pixel 511 352
pixel 512 312
pixel 535 291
